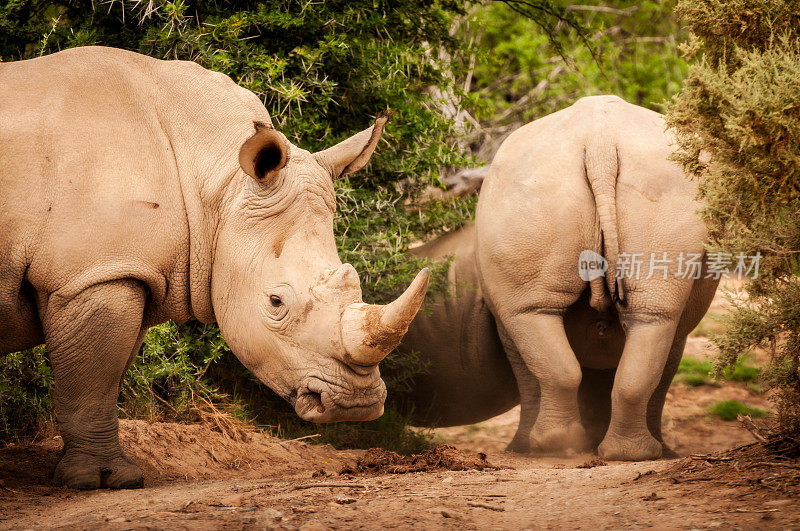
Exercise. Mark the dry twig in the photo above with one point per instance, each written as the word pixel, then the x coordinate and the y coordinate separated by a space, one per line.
pixel 486 506
pixel 329 484
pixel 750 426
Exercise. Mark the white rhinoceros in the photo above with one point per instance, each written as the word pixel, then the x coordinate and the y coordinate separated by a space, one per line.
pixel 134 191
pixel 593 360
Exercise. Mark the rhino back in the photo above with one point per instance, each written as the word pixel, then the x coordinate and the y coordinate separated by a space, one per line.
pixel 98 147
pixel 537 209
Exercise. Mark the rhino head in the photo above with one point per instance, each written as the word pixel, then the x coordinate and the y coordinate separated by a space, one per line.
pixel 285 303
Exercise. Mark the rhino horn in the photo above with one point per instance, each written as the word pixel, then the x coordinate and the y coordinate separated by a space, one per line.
pixel 371 331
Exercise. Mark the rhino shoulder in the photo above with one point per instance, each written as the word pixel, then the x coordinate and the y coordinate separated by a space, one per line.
pixel 193 81
pixel 173 82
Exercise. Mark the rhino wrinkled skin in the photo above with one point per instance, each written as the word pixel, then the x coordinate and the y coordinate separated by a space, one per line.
pixel 135 191
pixel 591 363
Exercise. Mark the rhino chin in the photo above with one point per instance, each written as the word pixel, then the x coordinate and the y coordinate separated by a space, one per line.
pixel 314 403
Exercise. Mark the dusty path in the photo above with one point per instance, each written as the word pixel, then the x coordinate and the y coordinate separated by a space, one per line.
pixel 536 493
pixel 197 478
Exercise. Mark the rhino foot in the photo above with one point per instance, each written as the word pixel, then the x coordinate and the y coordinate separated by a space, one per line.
pixel 87 472
pixel 642 447
pixel 559 439
pixel 667 452
pixel 520 444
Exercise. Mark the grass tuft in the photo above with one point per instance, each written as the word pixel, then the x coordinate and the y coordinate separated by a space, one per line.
pixel 731 409
pixel 694 373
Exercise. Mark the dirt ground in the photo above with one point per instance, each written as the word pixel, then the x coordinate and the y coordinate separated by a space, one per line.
pixel 197 478
pixel 206 483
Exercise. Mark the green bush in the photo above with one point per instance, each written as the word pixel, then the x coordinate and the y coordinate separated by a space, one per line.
pixel 26 383
pixel 518 74
pixel 738 126
pixel 741 371
pixel 168 381
pixel 731 409
pixel 694 372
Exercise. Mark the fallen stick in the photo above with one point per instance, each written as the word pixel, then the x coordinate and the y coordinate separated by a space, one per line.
pixel 305 437
pixel 750 426
pixel 486 506
pixel 698 457
pixel 332 485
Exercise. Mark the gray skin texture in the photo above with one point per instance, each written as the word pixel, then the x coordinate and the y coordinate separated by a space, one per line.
pixel 134 191
pixel 591 363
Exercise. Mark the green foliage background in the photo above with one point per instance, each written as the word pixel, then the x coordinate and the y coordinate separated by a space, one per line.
pixel 738 119
pixel 323 70
pixel 521 75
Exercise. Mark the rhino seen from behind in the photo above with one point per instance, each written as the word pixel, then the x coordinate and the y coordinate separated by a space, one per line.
pixel 590 362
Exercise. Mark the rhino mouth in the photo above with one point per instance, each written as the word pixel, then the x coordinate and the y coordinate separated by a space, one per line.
pixel 317 400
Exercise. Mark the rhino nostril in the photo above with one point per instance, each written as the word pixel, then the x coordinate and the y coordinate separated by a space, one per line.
pixel 315 400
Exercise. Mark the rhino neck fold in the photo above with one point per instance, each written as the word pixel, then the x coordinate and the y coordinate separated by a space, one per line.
pixel 200 252
pixel 207 195
pixel 206 186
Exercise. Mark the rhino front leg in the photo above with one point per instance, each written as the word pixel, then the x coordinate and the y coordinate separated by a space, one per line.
pixel 91 338
pixel 647 347
pixel 543 345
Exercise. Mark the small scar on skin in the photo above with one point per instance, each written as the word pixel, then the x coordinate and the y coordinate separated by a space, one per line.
pixel 150 204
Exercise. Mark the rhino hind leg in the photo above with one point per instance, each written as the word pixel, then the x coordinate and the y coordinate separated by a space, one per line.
pixel 91 338
pixel 648 346
pixel 655 406
pixel 528 387
pixel 543 346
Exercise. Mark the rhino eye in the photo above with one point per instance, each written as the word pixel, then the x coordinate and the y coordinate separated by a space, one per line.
pixel 276 302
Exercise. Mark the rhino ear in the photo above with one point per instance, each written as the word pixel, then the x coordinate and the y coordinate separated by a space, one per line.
pixel 352 154
pixel 264 154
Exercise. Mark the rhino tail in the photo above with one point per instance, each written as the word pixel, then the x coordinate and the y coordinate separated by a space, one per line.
pixel 601 163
